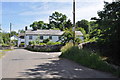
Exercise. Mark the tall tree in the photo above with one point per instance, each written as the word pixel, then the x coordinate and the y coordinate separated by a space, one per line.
pixel 39 25
pixel 21 31
pixel 58 19
pixel 14 33
pixel 68 24
pixel 84 24
pixel 109 22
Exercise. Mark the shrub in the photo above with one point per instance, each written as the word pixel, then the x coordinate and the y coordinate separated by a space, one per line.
pixel 53 43
pixel 22 44
pixel 5 45
pixel 32 43
pixel 42 44
pixel 46 40
pixel 78 40
pixel 66 47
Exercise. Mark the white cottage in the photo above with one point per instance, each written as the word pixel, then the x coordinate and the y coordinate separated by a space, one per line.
pixel 31 35
pixel 14 37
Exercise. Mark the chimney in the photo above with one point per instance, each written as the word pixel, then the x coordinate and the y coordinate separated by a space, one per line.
pixel 25 28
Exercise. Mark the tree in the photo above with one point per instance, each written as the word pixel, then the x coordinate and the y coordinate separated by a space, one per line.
pixel 68 24
pixel 34 25
pixel 14 33
pixel 84 24
pixel 39 25
pixel 6 37
pixel 109 22
pixel 67 36
pixel 21 31
pixel 58 19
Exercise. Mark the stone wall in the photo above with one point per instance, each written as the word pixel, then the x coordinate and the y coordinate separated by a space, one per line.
pixel 5 47
pixel 49 48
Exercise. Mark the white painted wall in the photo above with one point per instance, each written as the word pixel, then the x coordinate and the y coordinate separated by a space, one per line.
pixel 20 40
pixel 13 38
pixel 45 37
pixel 55 38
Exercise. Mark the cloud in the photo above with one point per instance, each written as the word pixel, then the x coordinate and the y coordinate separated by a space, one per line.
pixel 53 0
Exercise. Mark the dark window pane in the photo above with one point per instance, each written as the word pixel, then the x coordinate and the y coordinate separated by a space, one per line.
pixel 30 37
pixel 50 37
pixel 41 37
pixel 22 37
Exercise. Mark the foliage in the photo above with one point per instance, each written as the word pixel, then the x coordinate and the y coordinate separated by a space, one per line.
pixel 13 33
pixel 21 31
pixel 42 43
pixel 66 37
pixel 53 43
pixel 46 40
pixel 14 42
pixel 32 43
pixel 39 25
pixel 78 40
pixel 22 44
pixel 68 24
pixel 66 47
pixel 86 58
pixel 83 24
pixel 6 37
pixel 5 45
pixel 1 39
pixel 58 19
pixel 109 30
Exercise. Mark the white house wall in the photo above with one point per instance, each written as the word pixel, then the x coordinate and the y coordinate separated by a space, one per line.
pixel 55 38
pixel 45 37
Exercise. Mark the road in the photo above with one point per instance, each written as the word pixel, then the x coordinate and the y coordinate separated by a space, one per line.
pixel 21 63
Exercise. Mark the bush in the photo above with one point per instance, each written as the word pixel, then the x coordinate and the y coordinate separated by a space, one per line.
pixel 53 43
pixel 5 45
pixel 46 40
pixel 66 47
pixel 22 44
pixel 42 44
pixel 32 43
pixel 86 58
pixel 78 40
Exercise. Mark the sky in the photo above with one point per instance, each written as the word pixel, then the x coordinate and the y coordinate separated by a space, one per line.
pixel 22 13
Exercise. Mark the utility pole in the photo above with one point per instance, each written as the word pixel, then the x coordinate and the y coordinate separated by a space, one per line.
pixel 1 40
pixel 10 30
pixel 74 22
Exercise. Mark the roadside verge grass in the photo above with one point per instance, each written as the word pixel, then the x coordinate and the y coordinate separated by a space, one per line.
pixel 87 58
pixel 2 53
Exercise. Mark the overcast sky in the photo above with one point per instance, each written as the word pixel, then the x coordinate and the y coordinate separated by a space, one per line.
pixel 22 13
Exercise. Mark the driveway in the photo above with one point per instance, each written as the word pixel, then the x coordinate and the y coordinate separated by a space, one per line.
pixel 21 63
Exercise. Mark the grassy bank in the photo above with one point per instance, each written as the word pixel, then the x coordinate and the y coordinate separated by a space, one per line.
pixel 87 58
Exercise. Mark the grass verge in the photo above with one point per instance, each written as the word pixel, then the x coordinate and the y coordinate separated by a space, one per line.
pixel 87 58
pixel 7 50
pixel 1 54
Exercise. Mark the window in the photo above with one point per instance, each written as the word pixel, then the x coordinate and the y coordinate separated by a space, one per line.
pixel 59 37
pixel 41 37
pixel 50 37
pixel 22 37
pixel 30 37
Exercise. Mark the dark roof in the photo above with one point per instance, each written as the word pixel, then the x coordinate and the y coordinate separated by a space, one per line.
pixel 49 32
pixel 45 32
pixel 21 34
